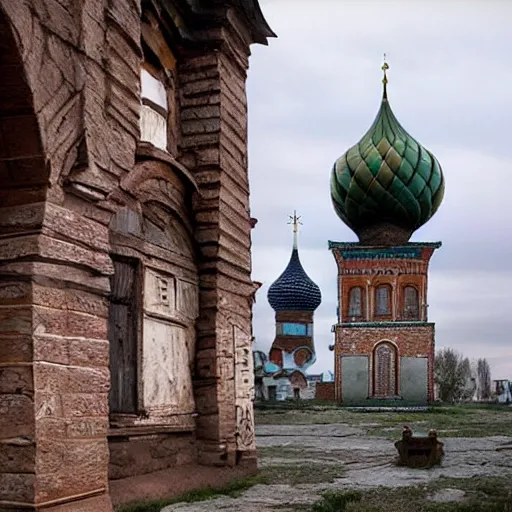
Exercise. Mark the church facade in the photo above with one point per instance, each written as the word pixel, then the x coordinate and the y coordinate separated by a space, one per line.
pixel 125 249
pixel 384 188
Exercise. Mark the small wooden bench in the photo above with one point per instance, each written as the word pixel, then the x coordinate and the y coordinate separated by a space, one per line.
pixel 419 451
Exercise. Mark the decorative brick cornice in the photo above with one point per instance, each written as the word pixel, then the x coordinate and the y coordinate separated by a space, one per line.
pixel 384 325
pixel 356 246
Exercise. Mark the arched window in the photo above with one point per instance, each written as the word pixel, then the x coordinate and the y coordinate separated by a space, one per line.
pixel 383 300
pixel 355 302
pixel 384 370
pixel 411 303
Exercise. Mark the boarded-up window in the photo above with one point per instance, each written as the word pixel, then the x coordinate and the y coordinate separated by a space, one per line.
pixel 384 375
pixel 411 303
pixel 154 111
pixel 160 60
pixel 123 328
pixel 383 300
pixel 355 307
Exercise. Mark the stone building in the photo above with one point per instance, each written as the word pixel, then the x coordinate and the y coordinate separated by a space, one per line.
pixel 125 261
pixel 294 297
pixel 384 188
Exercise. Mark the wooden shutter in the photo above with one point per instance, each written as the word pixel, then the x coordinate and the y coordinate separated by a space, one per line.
pixel 123 329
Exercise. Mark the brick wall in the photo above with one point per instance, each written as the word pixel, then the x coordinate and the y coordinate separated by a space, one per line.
pixel 410 341
pixel 325 391
pixel 294 316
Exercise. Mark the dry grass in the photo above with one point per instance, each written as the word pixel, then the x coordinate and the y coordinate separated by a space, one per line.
pixel 296 474
pixel 457 421
pixel 483 495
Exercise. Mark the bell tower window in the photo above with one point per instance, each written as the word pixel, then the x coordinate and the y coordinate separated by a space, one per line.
pixel 411 303
pixel 355 307
pixel 383 300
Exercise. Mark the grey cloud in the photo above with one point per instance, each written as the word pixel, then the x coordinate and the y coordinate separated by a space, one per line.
pixel 315 91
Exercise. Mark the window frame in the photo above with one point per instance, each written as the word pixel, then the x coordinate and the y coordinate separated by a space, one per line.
pixel 389 301
pixel 166 77
pixel 295 324
pixel 405 309
pixel 350 313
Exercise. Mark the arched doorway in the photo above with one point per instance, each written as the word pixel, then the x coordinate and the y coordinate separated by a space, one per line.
pixel 385 370
pixel 23 185
pixel 23 175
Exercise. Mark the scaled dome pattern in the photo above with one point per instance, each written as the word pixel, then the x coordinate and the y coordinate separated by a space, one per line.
pixel 387 183
pixel 294 290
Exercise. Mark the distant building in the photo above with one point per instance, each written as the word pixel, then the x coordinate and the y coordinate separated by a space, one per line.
pixel 503 391
pixel 294 298
pixel 384 188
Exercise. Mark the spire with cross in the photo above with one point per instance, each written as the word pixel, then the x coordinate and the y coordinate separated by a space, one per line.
pixel 385 67
pixel 295 222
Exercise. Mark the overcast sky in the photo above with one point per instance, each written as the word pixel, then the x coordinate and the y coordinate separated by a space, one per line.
pixel 315 91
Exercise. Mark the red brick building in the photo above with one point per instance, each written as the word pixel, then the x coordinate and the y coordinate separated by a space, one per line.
pixel 383 323
pixel 125 249
pixel 384 188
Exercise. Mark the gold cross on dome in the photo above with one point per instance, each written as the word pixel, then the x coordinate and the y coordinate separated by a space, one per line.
pixel 385 67
pixel 295 221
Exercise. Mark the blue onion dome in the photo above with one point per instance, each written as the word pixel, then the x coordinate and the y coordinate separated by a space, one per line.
pixel 294 290
pixel 387 185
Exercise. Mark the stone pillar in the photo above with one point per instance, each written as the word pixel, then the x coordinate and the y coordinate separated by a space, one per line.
pixel 69 102
pixel 214 146
pixel 394 301
pixel 54 376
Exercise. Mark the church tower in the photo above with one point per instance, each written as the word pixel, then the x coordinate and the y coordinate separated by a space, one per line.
pixel 384 188
pixel 294 297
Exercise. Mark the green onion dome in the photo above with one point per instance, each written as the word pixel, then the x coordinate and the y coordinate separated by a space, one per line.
pixel 387 185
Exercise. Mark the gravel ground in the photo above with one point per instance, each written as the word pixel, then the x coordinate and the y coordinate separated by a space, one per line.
pixel 366 462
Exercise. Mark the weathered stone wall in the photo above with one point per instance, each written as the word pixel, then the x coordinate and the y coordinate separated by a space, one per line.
pixel 152 228
pixel 69 126
pixel 142 454
pixel 214 144
pixel 79 64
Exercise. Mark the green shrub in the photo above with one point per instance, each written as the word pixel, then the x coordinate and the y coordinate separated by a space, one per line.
pixel 336 501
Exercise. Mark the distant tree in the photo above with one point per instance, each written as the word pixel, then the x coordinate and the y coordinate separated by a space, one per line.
pixel 468 389
pixel 451 373
pixel 484 379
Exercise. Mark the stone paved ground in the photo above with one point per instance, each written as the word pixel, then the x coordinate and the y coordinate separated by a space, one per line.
pixel 293 454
